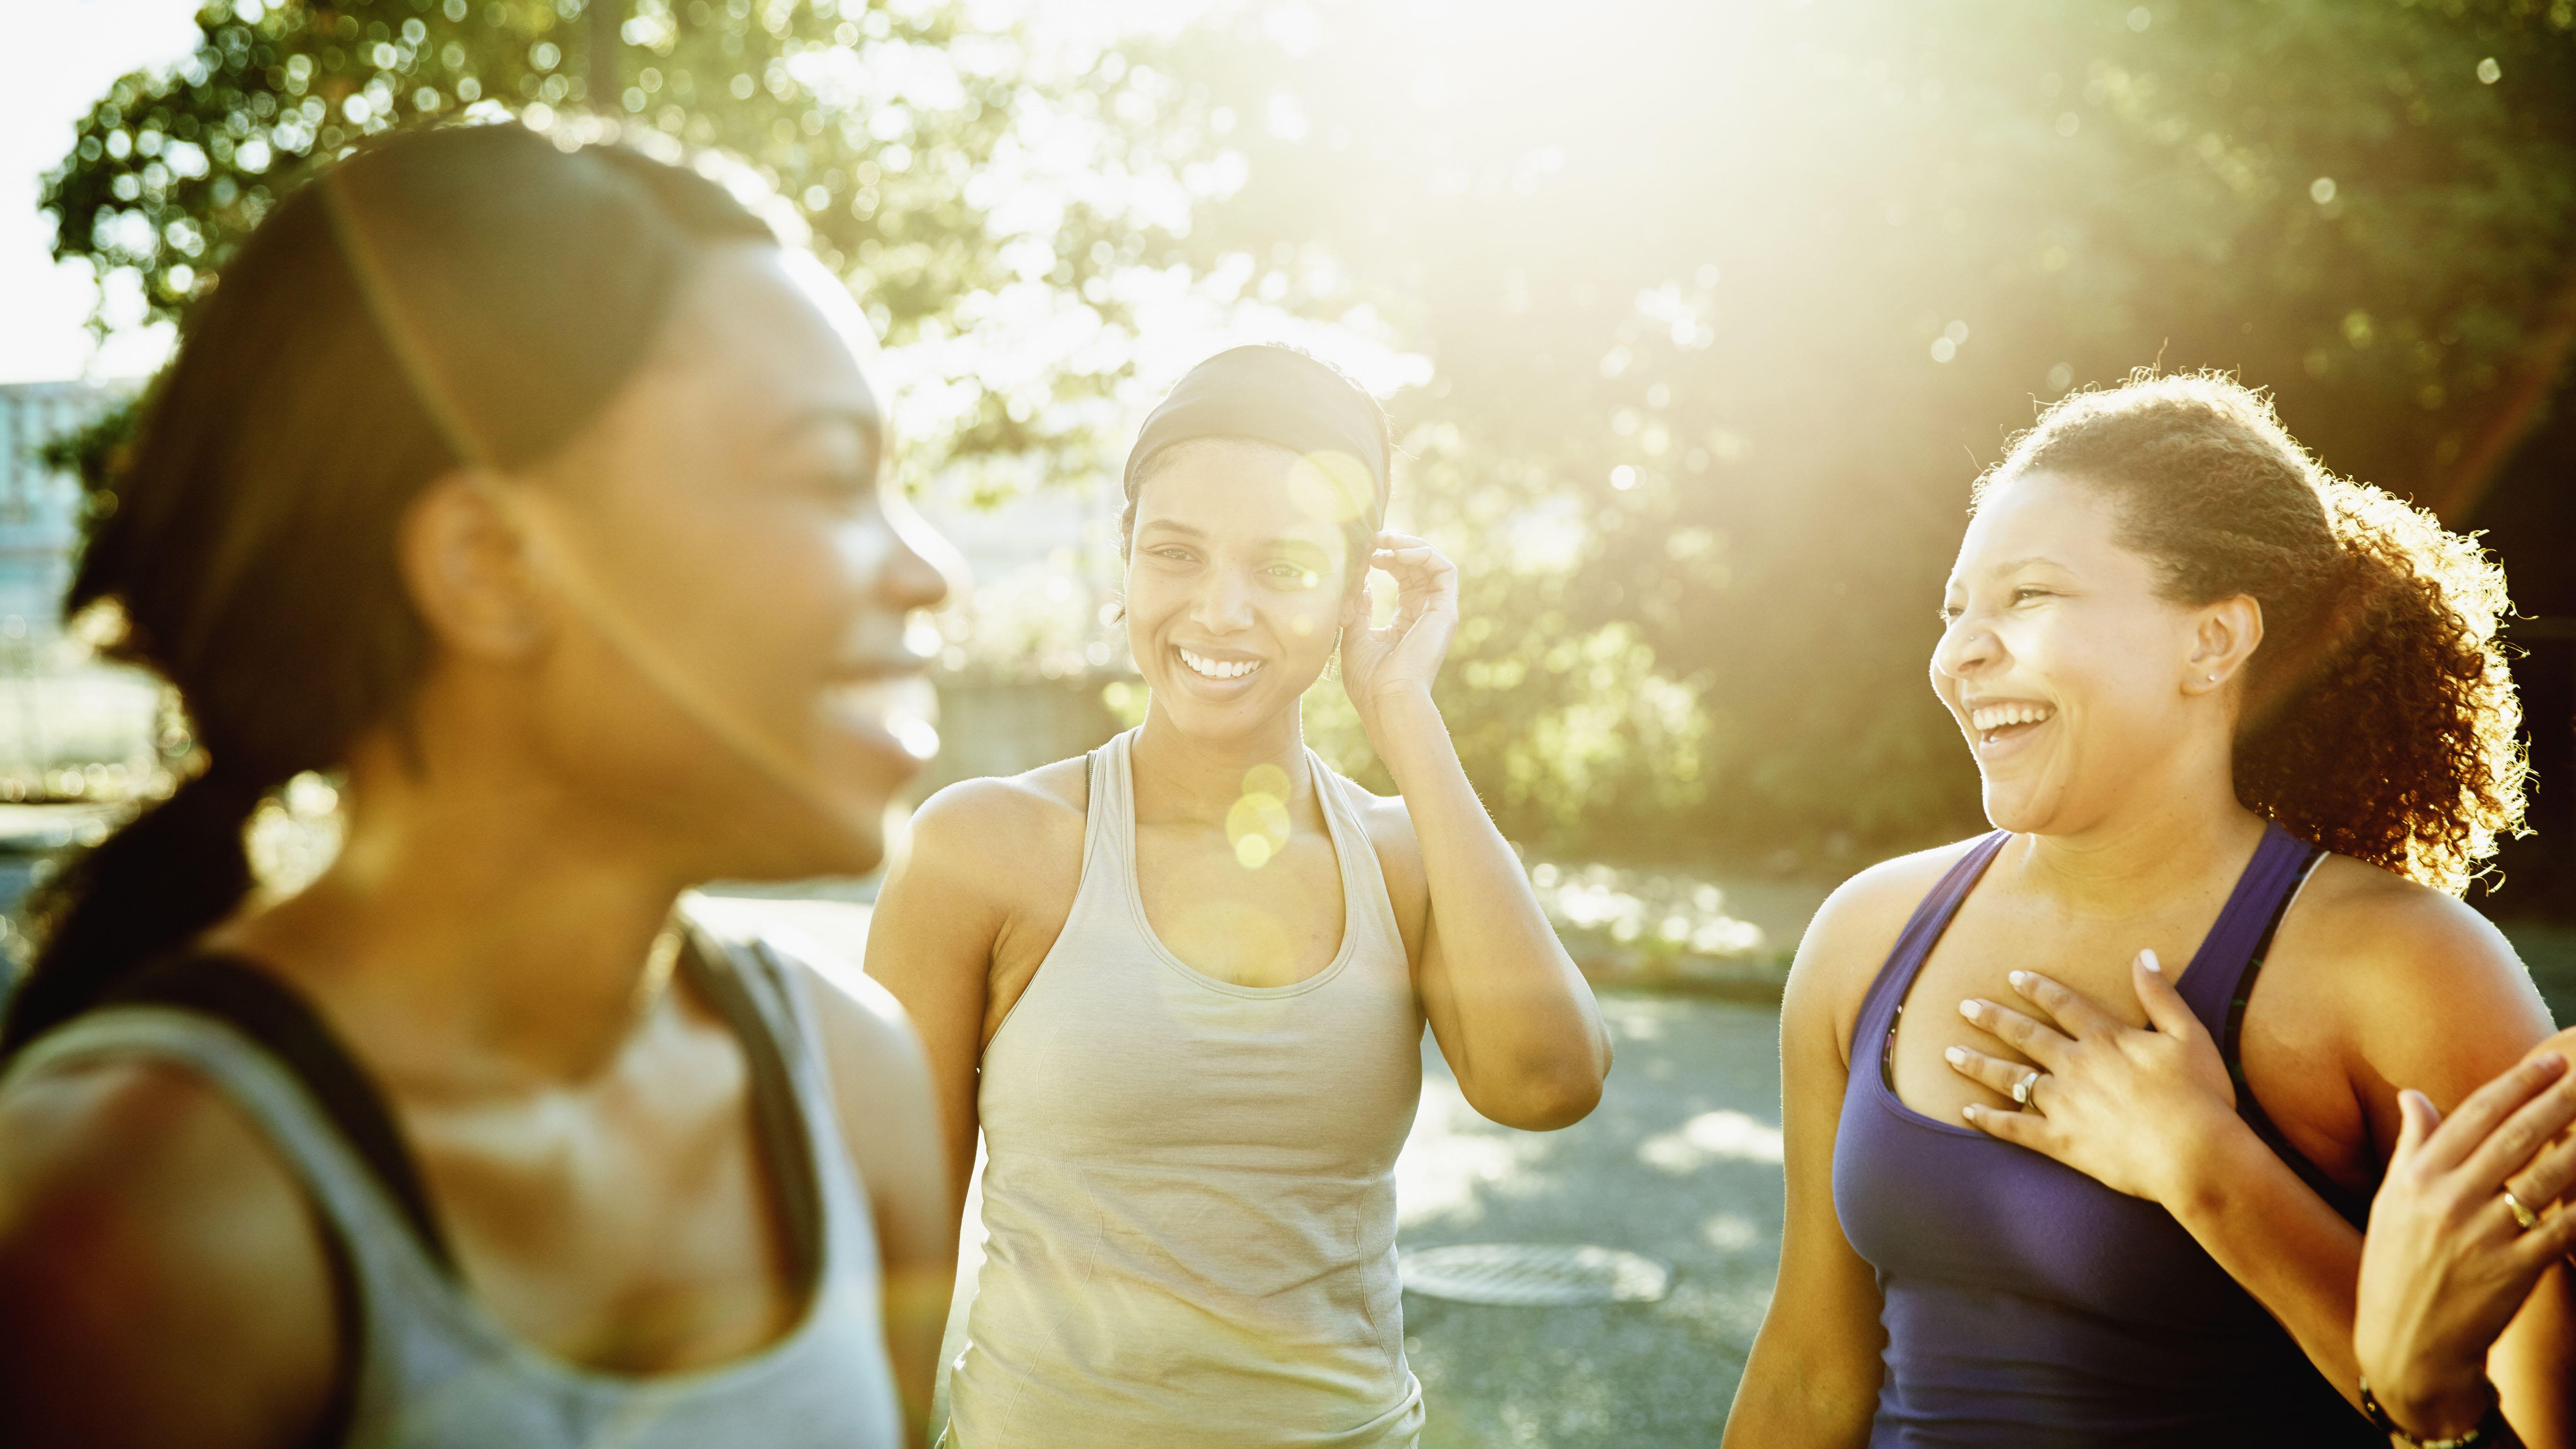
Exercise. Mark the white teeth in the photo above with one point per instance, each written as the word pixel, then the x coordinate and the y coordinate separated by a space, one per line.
pixel 1996 716
pixel 1218 668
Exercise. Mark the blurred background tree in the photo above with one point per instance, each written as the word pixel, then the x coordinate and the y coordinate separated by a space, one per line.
pixel 1737 300
pixel 1720 308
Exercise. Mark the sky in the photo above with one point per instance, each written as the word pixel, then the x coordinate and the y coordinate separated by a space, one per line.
pixel 62 55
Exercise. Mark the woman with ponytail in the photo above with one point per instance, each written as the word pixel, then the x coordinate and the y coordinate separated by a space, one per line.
pixel 532 492
pixel 2246 733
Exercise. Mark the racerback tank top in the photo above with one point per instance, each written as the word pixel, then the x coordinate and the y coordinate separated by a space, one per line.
pixel 1189 1192
pixel 431 1369
pixel 2027 1304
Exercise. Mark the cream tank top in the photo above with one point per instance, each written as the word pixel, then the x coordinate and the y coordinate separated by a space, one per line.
pixel 1189 1192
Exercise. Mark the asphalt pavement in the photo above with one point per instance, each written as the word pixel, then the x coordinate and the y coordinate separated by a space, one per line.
pixel 1680 1162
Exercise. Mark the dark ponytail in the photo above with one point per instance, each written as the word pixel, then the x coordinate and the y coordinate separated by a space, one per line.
pixel 467 296
pixel 2379 718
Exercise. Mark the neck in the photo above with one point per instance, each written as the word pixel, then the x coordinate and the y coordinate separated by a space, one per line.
pixel 2169 831
pixel 1201 778
pixel 482 926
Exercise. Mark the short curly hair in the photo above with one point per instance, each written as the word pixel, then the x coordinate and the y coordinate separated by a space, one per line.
pixel 2379 719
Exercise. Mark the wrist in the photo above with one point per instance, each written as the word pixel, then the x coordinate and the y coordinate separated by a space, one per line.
pixel 2210 1159
pixel 2429 1412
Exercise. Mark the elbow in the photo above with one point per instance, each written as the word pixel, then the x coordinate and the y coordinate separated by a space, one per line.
pixel 1547 1101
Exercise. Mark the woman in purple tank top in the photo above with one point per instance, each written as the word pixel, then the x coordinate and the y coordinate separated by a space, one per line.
pixel 2252 719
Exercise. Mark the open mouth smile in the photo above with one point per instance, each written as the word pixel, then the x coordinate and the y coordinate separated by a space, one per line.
pixel 1217 669
pixel 2001 723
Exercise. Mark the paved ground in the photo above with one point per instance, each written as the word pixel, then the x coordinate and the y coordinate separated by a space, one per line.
pixel 1680 1162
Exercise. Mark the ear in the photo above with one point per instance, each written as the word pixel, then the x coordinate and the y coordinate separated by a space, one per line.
pixel 2223 638
pixel 473 570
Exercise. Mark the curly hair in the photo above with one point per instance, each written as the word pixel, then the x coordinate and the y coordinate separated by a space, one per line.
pixel 2378 720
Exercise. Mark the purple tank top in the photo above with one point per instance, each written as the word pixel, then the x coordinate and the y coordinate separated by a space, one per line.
pixel 2027 1304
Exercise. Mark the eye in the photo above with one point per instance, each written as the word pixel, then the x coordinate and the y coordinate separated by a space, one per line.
pixel 2026 593
pixel 1302 577
pixel 1950 614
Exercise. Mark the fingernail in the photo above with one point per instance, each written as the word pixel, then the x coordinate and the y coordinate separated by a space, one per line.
pixel 2148 960
pixel 1956 1055
pixel 1968 1112
pixel 1968 1009
pixel 2019 979
pixel 2550 1065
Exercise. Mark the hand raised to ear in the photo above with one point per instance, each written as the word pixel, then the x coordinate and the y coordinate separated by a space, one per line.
pixel 1407 654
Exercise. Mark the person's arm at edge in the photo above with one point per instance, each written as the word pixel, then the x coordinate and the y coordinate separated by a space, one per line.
pixel 1814 1373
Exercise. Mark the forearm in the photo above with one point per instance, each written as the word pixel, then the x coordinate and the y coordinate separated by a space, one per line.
pixel 1522 1009
pixel 2277 1238
pixel 1791 1394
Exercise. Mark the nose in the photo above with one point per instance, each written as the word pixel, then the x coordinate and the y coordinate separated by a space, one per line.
pixel 1966 647
pixel 922 568
pixel 1223 604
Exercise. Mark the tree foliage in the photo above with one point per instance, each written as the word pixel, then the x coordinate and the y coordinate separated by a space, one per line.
pixel 1731 303
pixel 934 165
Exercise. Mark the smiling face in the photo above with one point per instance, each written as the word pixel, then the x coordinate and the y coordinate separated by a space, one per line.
pixel 1235 586
pixel 2067 671
pixel 731 664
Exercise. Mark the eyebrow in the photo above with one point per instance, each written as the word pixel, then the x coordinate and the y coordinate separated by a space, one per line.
pixel 1168 526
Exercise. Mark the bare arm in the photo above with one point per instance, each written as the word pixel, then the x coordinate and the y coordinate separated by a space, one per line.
pixel 162 1279
pixel 891 1123
pixel 1814 1374
pixel 931 943
pixel 1513 1016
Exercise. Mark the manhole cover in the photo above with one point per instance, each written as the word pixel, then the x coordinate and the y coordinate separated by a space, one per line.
pixel 1533 1274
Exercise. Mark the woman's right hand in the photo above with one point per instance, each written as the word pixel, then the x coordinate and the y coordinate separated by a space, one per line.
pixel 2446 1263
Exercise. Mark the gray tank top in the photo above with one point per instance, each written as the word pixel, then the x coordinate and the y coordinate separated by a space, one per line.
pixel 1189 1192
pixel 435 1371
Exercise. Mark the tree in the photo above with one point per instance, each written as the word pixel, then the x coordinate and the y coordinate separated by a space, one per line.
pixel 938 167
pixel 1731 304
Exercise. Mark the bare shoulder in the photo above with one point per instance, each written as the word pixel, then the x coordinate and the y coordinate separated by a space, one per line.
pixel 1034 820
pixel 1852 933
pixel 162 1265
pixel 2396 966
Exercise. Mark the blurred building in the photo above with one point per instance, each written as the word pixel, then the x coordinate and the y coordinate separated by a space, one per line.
pixel 39 507
pixel 71 728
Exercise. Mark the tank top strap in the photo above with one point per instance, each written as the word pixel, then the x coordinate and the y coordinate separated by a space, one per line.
pixel 1366 902
pixel 1931 917
pixel 1109 817
pixel 2281 862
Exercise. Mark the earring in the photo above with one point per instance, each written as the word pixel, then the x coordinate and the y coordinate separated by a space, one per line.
pixel 2212 678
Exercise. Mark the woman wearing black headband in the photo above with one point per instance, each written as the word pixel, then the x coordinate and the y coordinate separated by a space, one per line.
pixel 1196 991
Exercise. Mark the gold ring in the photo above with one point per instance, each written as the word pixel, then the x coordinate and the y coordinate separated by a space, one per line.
pixel 2523 1216
pixel 2022 1089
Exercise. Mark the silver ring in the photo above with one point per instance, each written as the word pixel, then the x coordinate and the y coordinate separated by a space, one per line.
pixel 2022 1089
pixel 2524 1217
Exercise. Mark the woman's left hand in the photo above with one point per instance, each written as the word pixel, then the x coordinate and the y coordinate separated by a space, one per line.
pixel 2126 1106
pixel 1379 664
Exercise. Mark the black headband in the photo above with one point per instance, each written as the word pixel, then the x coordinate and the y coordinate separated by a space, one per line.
pixel 1278 396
